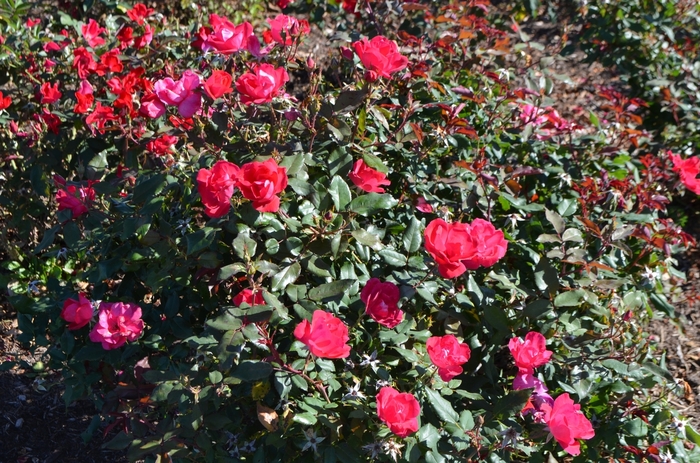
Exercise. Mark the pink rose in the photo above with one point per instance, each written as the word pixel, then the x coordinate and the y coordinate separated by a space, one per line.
pixel 381 301
pixel 530 353
pixel 398 410
pixel 151 106
pixel 223 36
pixel 567 423
pixel 449 244
pixel 368 179
pixel 117 323
pixel 76 199
pixel 92 32
pixel 284 29
pixel 180 93
pixel 249 298
pixel 326 336
pixel 380 57
pixel 261 182
pixel 216 187
pixel 77 313
pixel 262 84
pixel 491 246
pixel 448 354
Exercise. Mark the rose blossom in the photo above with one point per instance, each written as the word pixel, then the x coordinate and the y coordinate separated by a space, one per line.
pixel 216 187
pixel 180 93
pixel 117 323
pixel 326 336
pixel 448 354
pixel 530 353
pixel 491 246
pixel 77 313
pixel 381 301
pixel 5 101
pixel 50 93
pixel 688 169
pixel 91 32
pixel 380 57
pixel 261 182
pixel 262 84
pixel 284 29
pixel 398 410
pixel 218 84
pixel 223 36
pixel 367 178
pixel 249 298
pixel 567 423
pixel 75 199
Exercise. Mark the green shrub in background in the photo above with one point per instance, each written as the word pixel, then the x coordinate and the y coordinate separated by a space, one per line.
pixel 346 274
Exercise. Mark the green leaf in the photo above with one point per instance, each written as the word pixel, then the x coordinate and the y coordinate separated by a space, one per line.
pixel 230 270
pixel 47 239
pixel 374 162
pixel 572 234
pixel 556 220
pixel 371 203
pixel 574 298
pixel 285 276
pixel 340 193
pixel 442 407
pixel 330 290
pixel 244 246
pixel 118 442
pixel 368 239
pixel 252 371
pixel 200 240
pixel 148 187
pixel 349 100
pixel 512 403
pixel 225 322
pixel 413 236
pixel 636 427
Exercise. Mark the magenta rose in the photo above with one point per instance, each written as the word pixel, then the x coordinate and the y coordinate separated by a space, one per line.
pixel 380 57
pixel 77 313
pixel 326 336
pixel 448 354
pixel 216 187
pixel 261 182
pixel 117 322
pixel 398 410
pixel 567 423
pixel 284 29
pixel 223 36
pixel 491 246
pixel 249 298
pixel 449 244
pixel 381 302
pixel 181 93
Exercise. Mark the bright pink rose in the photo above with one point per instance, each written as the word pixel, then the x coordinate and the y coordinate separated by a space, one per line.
pixel 249 298
pixel 151 106
pixel 117 323
pixel 223 36
pixel 180 93
pixel 449 244
pixel 423 205
pixel 382 302
pixel 216 187
pixel 261 182
pixel 77 313
pixel 567 423
pixel 530 353
pixel 285 29
pixel 448 354
pixel 76 199
pixel 218 84
pixel 261 85
pixel 491 246
pixel 380 57
pixel 688 170
pixel 398 410
pixel 325 336
pixel 366 178
pixel 92 31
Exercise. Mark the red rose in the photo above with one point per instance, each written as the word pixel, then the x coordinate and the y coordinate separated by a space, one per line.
pixel 249 298
pixel 398 410
pixel 491 246
pixel 117 323
pixel 448 354
pixel 449 244
pixel 261 182
pixel 285 29
pixel 366 178
pixel 162 145
pixel 151 106
pixel 110 62
pixel 139 13
pixel 567 423
pixel 380 56
pixel 688 170
pixel 83 62
pixel 125 36
pixel 218 84
pixel 530 353
pixel 381 301
pixel 92 31
pixel 75 199
pixel 325 336
pixel 50 93
pixel 216 187
pixel 77 313
pixel 5 101
pixel 261 85
pixel 84 104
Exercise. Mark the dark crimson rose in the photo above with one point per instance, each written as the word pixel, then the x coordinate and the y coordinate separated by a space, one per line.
pixel 381 302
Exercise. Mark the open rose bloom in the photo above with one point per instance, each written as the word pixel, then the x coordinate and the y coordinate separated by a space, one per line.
pixel 77 313
pixel 398 410
pixel 262 182
pixel 689 171
pixel 117 323
pixel 216 186
pixel 567 423
pixel 326 336
pixel 181 93
pixel 367 178
pixel 448 354
pixel 381 301
pixel 380 57
pixel 262 84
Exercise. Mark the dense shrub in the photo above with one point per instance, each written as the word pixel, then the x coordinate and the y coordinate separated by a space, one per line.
pixel 408 258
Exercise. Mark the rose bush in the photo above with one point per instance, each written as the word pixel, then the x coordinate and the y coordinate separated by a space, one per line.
pixel 256 307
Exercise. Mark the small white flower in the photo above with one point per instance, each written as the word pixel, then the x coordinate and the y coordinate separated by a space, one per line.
pixel 679 426
pixel 666 457
pixel 235 453
pixel 311 440
pixel 393 449
pixel 510 437
pixel 62 253
pixel 354 392
pixel 650 275
pixel 370 360
pixel 249 447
